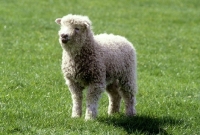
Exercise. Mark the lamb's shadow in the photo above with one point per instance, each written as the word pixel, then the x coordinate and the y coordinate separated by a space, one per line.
pixel 141 124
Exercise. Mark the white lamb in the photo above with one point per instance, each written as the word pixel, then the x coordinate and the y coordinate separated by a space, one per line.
pixel 98 63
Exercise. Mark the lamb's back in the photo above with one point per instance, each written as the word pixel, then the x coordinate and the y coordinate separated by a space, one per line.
pixel 116 51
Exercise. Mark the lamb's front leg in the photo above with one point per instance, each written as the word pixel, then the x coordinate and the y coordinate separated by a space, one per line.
pixel 77 96
pixel 93 95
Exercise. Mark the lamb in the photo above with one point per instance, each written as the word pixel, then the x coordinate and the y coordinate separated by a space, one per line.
pixel 97 62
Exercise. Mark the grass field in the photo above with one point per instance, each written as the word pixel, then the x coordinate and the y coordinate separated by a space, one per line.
pixel 166 34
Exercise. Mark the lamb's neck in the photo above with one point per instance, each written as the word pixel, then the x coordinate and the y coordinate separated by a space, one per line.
pixel 85 52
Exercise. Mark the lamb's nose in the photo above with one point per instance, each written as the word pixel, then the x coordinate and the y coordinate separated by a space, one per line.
pixel 64 35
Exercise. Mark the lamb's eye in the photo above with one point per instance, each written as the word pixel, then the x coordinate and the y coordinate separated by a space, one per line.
pixel 77 29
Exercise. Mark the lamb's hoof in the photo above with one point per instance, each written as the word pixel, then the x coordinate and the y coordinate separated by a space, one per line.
pixel 76 115
pixel 130 114
pixel 88 118
pixel 91 114
pixel 112 112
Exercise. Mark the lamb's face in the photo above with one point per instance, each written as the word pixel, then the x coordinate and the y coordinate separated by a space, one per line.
pixel 68 33
pixel 72 32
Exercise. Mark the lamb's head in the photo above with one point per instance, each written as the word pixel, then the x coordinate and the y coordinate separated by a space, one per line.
pixel 74 30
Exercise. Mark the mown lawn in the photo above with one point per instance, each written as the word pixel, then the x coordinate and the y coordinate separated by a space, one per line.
pixel 166 34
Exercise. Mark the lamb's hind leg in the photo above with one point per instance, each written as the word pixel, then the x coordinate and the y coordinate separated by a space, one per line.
pixel 114 98
pixel 128 93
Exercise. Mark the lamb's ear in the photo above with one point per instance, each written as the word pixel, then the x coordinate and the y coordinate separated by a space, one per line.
pixel 87 25
pixel 58 21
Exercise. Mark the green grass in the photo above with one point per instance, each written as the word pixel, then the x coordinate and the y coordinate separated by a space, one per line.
pixel 35 100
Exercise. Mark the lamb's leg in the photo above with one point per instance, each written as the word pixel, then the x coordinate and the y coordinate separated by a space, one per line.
pixel 129 103
pixel 114 98
pixel 128 95
pixel 93 95
pixel 76 94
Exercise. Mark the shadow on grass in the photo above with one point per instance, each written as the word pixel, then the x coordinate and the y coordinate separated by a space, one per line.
pixel 141 124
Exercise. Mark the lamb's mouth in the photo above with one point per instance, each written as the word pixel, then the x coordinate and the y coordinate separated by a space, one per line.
pixel 64 40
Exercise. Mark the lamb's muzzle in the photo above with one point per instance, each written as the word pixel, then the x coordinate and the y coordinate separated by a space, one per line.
pixel 64 38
